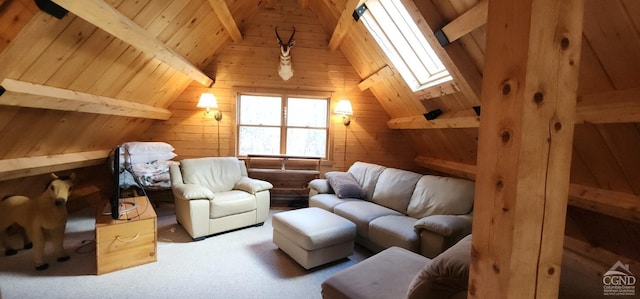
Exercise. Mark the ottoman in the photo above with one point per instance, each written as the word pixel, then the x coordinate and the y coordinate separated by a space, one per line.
pixel 313 236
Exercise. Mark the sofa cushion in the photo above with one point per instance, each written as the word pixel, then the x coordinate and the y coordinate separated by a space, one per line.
pixel 344 185
pixel 367 176
pixel 384 275
pixel 216 173
pixel 233 202
pixel 361 213
pixel 394 230
pixel 446 275
pixel 436 195
pixel 328 201
pixel 394 188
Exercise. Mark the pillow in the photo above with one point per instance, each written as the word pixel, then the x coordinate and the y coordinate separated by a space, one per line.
pixel 136 147
pixel 344 184
pixel 146 157
pixel 446 275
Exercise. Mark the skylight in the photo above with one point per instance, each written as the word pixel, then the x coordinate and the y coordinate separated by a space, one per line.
pixel 400 38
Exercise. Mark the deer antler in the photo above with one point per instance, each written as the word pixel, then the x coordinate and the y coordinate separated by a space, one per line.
pixel 289 43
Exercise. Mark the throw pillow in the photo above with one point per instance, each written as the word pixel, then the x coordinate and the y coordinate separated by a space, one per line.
pixel 446 275
pixel 344 184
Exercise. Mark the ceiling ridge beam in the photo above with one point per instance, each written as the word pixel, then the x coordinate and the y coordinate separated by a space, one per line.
pixel 109 19
pixel 616 204
pixel 226 18
pixel 31 95
pixel 30 166
pixel 344 24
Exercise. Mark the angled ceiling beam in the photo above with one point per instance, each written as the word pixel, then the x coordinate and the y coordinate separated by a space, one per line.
pixel 344 24
pixel 454 57
pixel 25 94
pixel 226 18
pixel 30 166
pixel 109 19
pixel 473 18
pixel 381 75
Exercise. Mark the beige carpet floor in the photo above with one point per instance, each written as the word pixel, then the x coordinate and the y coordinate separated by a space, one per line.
pixel 240 264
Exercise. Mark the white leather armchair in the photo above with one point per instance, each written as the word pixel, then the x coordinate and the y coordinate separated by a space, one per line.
pixel 215 195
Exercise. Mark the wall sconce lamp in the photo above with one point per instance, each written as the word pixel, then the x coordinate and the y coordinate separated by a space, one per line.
pixel 344 108
pixel 208 101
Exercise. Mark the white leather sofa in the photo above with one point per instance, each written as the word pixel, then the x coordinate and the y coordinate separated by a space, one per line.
pixel 215 195
pixel 425 214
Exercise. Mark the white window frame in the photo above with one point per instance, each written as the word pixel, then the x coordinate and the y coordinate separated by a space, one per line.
pixel 283 120
pixel 397 34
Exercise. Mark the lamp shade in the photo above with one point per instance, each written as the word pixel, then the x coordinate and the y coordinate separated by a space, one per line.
pixel 344 107
pixel 207 100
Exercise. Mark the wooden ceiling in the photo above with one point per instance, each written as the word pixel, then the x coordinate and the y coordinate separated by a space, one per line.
pixel 109 71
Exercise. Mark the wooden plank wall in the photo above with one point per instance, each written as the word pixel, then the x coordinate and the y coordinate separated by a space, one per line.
pixel 74 55
pixel 251 65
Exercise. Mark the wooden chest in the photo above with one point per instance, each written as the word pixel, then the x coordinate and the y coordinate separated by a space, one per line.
pixel 128 241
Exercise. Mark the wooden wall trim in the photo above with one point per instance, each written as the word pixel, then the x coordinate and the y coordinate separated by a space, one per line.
pixel 344 24
pixel 611 203
pixel 30 166
pixel 109 19
pixel 473 18
pixel 25 94
pixel 222 11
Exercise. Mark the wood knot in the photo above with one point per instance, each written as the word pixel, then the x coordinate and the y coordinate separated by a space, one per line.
pixel 538 98
pixel 506 89
pixel 564 43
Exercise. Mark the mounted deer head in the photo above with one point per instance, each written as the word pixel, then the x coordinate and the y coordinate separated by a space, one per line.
pixel 284 69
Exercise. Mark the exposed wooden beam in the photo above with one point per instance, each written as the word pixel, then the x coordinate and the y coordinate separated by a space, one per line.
pixel 344 24
pixel 109 19
pixel 597 254
pixel 607 202
pixel 458 119
pixel 25 94
pixel 30 166
pixel 226 18
pixel 454 57
pixel 525 143
pixel 473 18
pixel 439 90
pixel 462 170
pixel 616 204
pixel 381 75
pixel 617 106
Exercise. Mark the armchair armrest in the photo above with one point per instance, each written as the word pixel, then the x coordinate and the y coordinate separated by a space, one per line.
pixel 320 186
pixel 252 186
pixel 455 226
pixel 192 191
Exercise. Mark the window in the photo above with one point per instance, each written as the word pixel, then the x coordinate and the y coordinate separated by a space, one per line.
pixel 404 44
pixel 271 125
